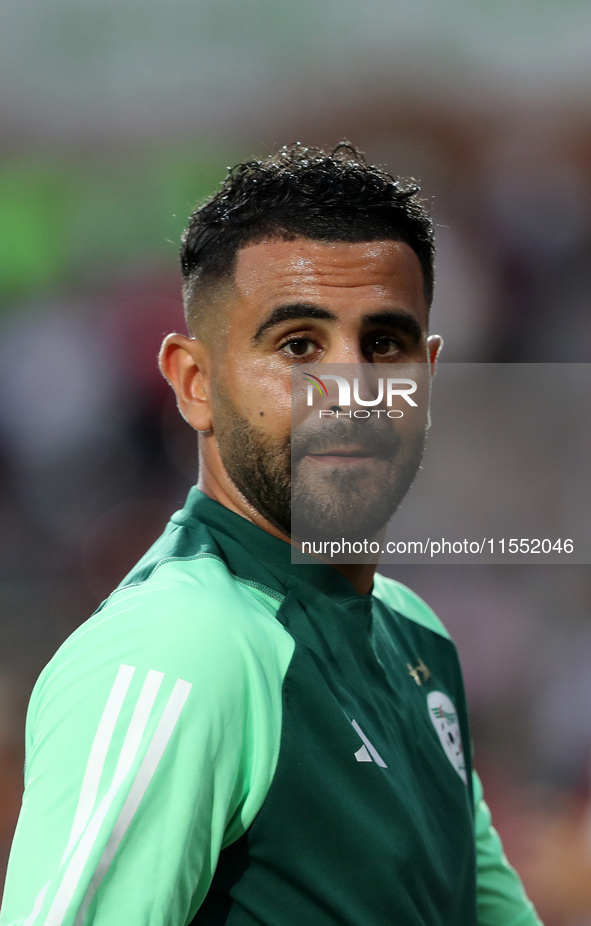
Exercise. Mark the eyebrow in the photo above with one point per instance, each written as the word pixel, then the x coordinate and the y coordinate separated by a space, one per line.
pixel 292 312
pixel 388 318
pixel 396 318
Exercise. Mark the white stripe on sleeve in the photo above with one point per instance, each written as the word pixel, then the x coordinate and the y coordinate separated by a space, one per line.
pixel 98 754
pixel 129 750
pixel 155 751
pixel 36 906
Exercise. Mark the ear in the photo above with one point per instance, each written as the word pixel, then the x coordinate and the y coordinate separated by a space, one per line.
pixel 184 363
pixel 434 345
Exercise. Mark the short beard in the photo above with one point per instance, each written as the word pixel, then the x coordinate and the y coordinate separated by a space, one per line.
pixel 257 465
pixel 332 503
pixel 341 502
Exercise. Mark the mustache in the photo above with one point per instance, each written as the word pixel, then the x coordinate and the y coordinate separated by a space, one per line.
pixel 372 435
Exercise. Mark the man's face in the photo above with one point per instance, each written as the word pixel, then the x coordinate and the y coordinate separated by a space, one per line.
pixel 300 302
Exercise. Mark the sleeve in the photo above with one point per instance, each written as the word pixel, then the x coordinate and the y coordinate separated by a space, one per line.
pixel 152 739
pixel 501 899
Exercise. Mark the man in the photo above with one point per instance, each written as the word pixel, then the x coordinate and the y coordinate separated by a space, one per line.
pixel 233 739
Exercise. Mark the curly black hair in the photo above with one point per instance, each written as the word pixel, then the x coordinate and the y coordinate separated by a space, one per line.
pixel 304 192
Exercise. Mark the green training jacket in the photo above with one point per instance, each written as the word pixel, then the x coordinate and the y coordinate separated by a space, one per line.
pixel 232 739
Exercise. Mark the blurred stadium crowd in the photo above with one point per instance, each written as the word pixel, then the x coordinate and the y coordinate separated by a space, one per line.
pixel 94 456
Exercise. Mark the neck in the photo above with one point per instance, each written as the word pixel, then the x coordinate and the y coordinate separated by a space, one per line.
pixel 360 575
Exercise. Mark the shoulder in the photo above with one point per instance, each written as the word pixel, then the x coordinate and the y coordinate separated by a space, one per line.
pixel 193 595
pixel 407 603
pixel 190 619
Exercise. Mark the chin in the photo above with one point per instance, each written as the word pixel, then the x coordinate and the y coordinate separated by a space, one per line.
pixel 356 506
pixel 327 520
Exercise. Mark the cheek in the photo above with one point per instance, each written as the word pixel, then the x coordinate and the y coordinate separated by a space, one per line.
pixel 262 397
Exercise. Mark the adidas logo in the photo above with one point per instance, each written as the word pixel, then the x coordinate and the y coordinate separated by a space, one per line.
pixel 367 752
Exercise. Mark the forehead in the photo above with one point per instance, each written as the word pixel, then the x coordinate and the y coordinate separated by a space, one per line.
pixel 345 276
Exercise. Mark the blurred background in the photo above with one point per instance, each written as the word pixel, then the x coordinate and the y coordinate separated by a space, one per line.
pixel 115 119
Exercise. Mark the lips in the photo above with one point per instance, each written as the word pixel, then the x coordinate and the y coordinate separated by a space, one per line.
pixel 343 442
pixel 344 456
pixel 344 452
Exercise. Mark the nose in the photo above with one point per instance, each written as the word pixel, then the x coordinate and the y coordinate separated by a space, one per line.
pixel 345 350
pixel 354 366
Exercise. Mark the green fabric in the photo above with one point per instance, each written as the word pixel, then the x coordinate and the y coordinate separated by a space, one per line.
pixel 187 623
pixel 368 824
pixel 501 898
pixel 402 599
pixel 192 756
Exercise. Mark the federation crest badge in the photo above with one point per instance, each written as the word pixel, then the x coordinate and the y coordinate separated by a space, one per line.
pixel 444 718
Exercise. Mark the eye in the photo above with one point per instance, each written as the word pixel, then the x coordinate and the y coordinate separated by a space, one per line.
pixel 384 346
pixel 299 347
